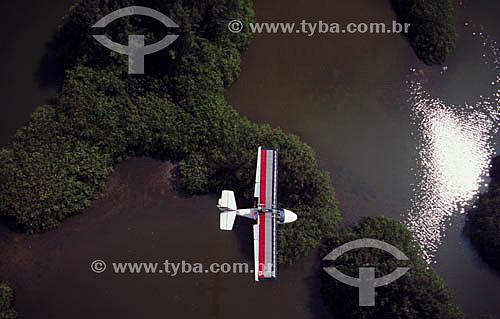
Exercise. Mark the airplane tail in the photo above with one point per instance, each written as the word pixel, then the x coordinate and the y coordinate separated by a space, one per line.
pixel 227 206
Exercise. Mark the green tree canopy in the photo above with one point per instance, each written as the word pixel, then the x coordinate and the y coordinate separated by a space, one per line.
pixel 59 162
pixel 482 224
pixel 432 31
pixel 6 302
pixel 420 293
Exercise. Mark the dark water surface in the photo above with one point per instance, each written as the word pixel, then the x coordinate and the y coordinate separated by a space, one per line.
pixel 342 93
pixel 398 138
pixel 140 219
pixel 28 26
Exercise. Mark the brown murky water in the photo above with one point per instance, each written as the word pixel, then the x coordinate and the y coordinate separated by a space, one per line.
pixel 420 160
pixel 140 219
pixel 346 95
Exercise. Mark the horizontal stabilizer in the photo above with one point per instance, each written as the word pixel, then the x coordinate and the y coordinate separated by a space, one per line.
pixel 227 220
pixel 227 201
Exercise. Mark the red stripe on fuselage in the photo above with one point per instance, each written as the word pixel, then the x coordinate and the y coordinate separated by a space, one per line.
pixel 262 243
pixel 263 170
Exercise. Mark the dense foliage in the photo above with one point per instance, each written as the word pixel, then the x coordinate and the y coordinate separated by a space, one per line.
pixel 59 162
pixel 432 31
pixel 483 221
pixel 6 302
pixel 420 293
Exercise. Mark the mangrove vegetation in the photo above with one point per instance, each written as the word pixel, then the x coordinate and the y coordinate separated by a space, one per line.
pixel 432 32
pixel 420 293
pixel 6 302
pixel 482 224
pixel 60 161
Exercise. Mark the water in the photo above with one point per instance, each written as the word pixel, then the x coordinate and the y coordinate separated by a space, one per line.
pixel 27 75
pixel 141 219
pixel 397 137
pixel 457 118
pixel 454 155
pixel 343 94
pixel 404 140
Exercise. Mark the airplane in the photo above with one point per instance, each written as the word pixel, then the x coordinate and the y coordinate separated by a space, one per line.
pixel 266 214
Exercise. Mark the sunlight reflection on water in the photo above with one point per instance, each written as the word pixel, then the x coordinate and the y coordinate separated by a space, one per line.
pixel 453 156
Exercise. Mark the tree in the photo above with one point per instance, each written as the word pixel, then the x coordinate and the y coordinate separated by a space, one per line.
pixel 59 162
pixel 432 31
pixel 482 224
pixel 6 302
pixel 420 293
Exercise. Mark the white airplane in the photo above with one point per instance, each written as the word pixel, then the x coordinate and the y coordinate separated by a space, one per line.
pixel 266 214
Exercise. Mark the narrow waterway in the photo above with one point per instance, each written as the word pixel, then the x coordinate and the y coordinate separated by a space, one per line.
pixel 398 138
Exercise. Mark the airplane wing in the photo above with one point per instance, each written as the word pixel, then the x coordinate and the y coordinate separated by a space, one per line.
pixel 266 184
pixel 266 177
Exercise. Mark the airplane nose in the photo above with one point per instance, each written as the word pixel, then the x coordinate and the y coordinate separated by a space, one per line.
pixel 290 216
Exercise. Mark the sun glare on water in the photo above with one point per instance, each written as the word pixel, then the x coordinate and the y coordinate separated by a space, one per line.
pixel 453 157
